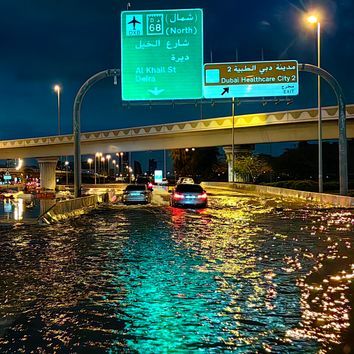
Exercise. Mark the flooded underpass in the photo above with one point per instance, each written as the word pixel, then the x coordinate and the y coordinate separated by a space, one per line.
pixel 246 275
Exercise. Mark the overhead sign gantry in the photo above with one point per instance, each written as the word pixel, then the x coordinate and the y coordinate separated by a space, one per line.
pixel 251 79
pixel 162 54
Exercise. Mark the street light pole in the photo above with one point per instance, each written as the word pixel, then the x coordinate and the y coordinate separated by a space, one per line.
pixel 89 161
pixel 114 162
pixel 121 162
pixel 57 89
pixel 320 165
pixel 108 157
pixel 130 174
pixel 102 167
pixel 314 19
pixel 66 172
pixel 96 157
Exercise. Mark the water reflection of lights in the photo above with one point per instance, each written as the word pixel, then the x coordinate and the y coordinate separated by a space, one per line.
pixel 231 248
pixel 14 208
pixel 18 209
pixel 178 216
pixel 226 237
pixel 325 289
pixel 7 206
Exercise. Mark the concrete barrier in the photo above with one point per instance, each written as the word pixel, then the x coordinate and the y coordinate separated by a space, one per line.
pixel 106 193
pixel 68 208
pixel 323 199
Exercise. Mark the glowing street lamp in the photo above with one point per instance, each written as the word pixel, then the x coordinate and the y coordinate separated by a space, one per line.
pixel 130 174
pixel 57 89
pixel 66 172
pixel 114 162
pixel 108 157
pixel 97 155
pixel 89 161
pixel 20 164
pixel 102 161
pixel 314 19
pixel 120 162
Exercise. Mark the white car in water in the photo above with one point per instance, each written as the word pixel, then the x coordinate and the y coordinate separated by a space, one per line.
pixel 185 180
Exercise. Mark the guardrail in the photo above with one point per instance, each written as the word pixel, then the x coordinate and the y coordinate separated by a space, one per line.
pixel 68 208
pixel 328 200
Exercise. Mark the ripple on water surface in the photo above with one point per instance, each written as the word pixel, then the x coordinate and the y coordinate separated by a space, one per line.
pixel 240 276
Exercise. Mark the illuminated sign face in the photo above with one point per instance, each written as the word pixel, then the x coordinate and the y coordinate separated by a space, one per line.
pixel 251 79
pixel 158 176
pixel 162 54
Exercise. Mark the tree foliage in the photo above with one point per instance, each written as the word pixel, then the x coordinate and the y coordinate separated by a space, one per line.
pixel 202 164
pixel 249 167
pixel 302 162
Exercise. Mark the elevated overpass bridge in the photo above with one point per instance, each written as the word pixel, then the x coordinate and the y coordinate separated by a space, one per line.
pixel 286 126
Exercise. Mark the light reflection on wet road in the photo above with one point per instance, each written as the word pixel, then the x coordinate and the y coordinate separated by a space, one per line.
pixel 246 275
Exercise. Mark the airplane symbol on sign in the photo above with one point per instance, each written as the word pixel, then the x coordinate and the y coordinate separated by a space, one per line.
pixel 134 21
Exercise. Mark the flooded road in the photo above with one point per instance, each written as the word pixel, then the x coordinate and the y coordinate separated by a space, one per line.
pixel 246 275
pixel 19 209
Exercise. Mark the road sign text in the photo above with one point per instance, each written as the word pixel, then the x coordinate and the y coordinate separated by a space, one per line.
pixel 251 79
pixel 162 54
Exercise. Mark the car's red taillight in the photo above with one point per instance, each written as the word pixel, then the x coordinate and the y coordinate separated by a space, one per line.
pixel 178 196
pixel 202 196
pixel 150 185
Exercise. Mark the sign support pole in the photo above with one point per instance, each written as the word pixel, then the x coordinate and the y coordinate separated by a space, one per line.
pixel 76 123
pixel 233 139
pixel 342 135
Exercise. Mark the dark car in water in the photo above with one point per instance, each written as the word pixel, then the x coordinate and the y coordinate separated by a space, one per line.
pixel 189 195
pixel 136 194
pixel 145 180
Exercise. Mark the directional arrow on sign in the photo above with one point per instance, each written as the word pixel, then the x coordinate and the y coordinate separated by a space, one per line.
pixel 156 91
pixel 226 90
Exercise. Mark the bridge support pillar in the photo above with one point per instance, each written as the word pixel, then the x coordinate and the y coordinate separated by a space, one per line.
pixel 47 169
pixel 239 150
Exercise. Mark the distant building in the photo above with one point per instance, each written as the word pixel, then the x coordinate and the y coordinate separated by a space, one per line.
pixel 137 168
pixel 152 166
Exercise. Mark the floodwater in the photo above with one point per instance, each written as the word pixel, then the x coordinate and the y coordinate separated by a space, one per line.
pixel 20 209
pixel 246 275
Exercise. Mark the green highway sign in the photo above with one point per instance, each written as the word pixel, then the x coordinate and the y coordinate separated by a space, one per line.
pixel 251 79
pixel 162 54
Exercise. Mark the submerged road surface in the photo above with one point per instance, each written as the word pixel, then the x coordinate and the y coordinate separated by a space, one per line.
pixel 246 275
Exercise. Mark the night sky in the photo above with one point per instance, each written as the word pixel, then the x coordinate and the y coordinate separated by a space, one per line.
pixel 44 42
